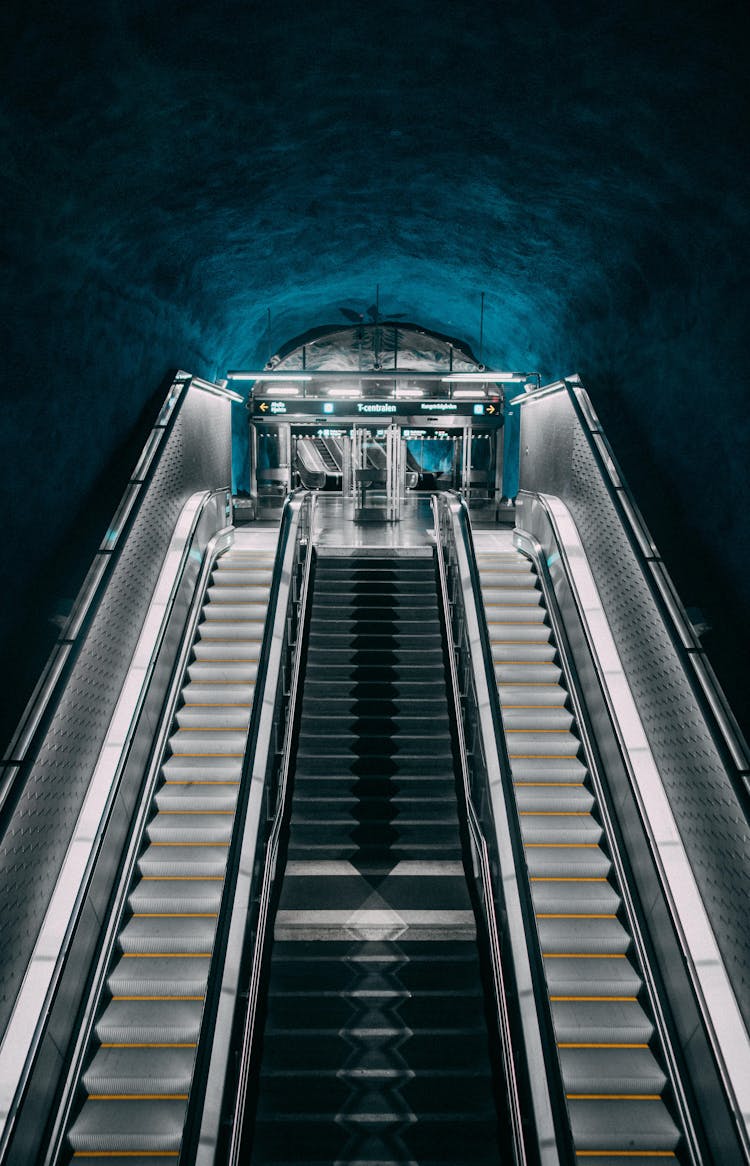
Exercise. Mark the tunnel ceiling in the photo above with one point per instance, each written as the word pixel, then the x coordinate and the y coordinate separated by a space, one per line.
pixel 175 171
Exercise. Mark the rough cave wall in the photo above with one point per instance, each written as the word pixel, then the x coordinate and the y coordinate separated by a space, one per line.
pixel 173 170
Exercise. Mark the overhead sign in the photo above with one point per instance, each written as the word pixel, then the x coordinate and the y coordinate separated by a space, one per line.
pixel 293 407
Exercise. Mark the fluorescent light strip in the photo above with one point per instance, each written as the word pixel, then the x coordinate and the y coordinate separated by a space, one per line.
pixel 269 376
pixel 487 378
pixel 469 394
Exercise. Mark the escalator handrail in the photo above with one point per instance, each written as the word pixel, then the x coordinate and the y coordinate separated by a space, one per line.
pixel 270 864
pixel 206 1103
pixel 550 1120
pixel 480 845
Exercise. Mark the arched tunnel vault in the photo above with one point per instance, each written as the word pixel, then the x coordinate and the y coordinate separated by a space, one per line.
pixel 173 171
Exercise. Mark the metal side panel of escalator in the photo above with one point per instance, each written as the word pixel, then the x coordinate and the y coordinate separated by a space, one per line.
pixel 137 1074
pixel 376 1045
pixel 619 1095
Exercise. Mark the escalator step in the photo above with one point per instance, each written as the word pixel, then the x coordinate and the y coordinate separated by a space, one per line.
pixel 582 977
pixel 622 1125
pixel 200 798
pixel 581 896
pixel 599 1021
pixel 179 895
pixel 148 1125
pixel 595 935
pixel 150 1021
pixel 176 976
pixel 611 1070
pixel 152 932
pixel 554 798
pixel 573 826
pixel 127 1072
pixel 178 861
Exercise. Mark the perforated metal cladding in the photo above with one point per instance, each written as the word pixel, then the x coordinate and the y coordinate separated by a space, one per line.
pixel 31 853
pixel 707 812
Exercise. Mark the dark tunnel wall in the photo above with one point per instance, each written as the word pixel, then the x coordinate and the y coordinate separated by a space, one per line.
pixel 172 170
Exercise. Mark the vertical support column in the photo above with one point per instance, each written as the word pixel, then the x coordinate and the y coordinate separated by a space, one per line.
pixel 346 467
pixel 466 462
pixel 357 465
pixel 253 474
pixel 393 471
pixel 285 452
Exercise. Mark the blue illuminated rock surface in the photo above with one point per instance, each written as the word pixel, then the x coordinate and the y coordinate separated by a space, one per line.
pixel 174 170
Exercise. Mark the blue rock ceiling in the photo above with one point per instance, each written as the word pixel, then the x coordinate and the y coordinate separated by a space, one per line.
pixel 173 170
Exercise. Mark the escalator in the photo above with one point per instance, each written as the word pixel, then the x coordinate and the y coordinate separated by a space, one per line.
pixel 132 1095
pixel 376 1045
pixel 317 468
pixel 617 1091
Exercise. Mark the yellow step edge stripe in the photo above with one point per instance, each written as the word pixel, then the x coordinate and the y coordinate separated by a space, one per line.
pixel 220 729
pixel 203 997
pixel 613 1096
pixel 226 756
pixel 594 999
pixel 602 1045
pixel 196 705
pixel 550 784
pixel 511 756
pixel 583 955
pixel 126 1154
pixel 521 813
pixel 182 878
pixel 178 915
pixel 148 1044
pixel 182 813
pixel 167 955
pixel 137 1097
pixel 567 879
pixel 626 1154
pixel 191 781
pixel 560 732
pixel 189 843
pixel 571 915
pixel 550 845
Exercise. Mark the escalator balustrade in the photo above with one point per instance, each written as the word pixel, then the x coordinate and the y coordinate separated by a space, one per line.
pixel 376 1044
pixel 617 1091
pixel 134 1089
